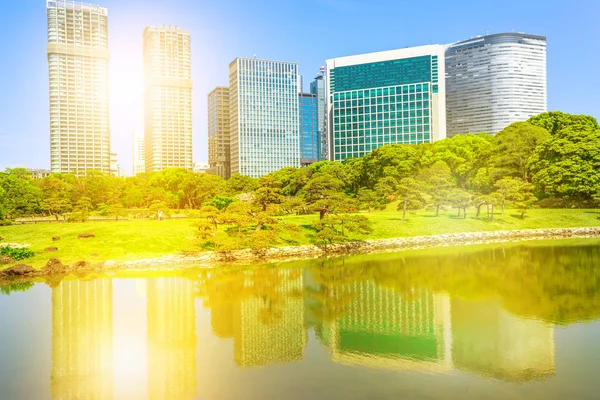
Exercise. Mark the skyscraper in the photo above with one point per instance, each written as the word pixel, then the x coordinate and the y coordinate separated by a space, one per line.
pixel 395 96
pixel 78 72
pixel 139 160
pixel 317 87
pixel 167 98
pixel 495 80
pixel 310 141
pixel 263 98
pixel 218 132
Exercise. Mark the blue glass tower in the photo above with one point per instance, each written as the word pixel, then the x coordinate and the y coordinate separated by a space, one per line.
pixel 310 140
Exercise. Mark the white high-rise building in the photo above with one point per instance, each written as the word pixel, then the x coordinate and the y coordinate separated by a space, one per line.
pixel 139 159
pixel 264 127
pixel 493 81
pixel 78 60
pixel 167 98
pixel 396 96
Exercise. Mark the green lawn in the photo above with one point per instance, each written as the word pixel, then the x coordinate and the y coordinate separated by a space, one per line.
pixel 134 239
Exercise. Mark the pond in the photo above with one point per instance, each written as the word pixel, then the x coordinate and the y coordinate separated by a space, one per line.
pixel 517 320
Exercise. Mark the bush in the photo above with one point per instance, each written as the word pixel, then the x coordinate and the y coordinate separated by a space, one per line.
pixel 20 253
pixel 5 222
pixel 558 202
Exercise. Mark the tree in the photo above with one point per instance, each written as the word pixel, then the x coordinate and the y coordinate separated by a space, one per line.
pixel 82 209
pixel 220 202
pixel 567 165
pixel 21 195
pixel 460 199
pixel 240 184
pixel 409 194
pixel 294 205
pixel 368 199
pixel 524 199
pixel 268 193
pixel 507 190
pixel 556 121
pixel 56 195
pixel 333 228
pixel 394 161
pixel 491 200
pixel 464 155
pixel 516 144
pixel 386 188
pixel 323 194
pixel 437 181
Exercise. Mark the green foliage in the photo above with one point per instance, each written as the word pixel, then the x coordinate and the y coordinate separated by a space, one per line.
pixel 437 183
pixel 333 228
pixel 568 164
pixel 19 253
pixel 516 144
pixel 556 121
pixel 464 155
pixel 220 202
pixel 369 199
pixel 16 287
pixel 410 196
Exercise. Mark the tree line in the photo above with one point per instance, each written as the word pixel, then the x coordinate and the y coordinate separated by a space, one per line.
pixel 552 160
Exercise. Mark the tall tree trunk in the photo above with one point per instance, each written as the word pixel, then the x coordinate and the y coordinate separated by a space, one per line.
pixel 492 213
pixel 465 213
pixel 459 212
pixel 322 213
pixel 437 210
pixel 404 209
pixel 343 228
pixel 502 213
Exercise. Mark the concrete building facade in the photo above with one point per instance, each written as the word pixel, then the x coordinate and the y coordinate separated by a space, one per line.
pixel 78 59
pixel 219 149
pixel 493 81
pixel 167 98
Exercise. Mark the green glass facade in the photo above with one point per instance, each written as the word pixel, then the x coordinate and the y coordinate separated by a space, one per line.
pixel 379 103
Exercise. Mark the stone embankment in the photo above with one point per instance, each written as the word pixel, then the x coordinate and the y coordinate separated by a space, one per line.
pixel 280 254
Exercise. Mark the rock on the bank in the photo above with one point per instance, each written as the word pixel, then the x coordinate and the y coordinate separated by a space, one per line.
pixel 18 270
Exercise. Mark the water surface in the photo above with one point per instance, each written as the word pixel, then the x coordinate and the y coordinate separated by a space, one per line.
pixel 502 321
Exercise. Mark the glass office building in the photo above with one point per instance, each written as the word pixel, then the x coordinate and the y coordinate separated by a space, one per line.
pixel 310 141
pixel 317 87
pixel 263 107
pixel 375 99
pixel 493 81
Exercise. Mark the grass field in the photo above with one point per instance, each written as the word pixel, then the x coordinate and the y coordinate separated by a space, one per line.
pixel 135 239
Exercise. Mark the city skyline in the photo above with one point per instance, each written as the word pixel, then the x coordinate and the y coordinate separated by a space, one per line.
pixel 26 138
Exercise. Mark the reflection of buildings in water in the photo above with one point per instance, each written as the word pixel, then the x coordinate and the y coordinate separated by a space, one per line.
pixel 383 329
pixel 82 354
pixel 262 310
pixel 269 328
pixel 171 338
pixel 489 341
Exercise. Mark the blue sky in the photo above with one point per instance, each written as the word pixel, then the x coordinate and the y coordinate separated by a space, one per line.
pixel 306 31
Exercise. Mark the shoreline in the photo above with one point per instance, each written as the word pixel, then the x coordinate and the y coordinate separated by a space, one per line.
pixel 212 259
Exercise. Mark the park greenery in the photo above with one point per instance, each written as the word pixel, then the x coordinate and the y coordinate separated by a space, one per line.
pixel 550 161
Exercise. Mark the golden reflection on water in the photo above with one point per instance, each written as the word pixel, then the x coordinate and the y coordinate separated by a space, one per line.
pixel 386 314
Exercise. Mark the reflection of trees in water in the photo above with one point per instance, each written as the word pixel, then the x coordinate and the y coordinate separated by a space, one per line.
pixel 555 284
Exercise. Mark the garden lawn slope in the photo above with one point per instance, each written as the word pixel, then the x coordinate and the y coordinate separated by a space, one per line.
pixel 140 239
